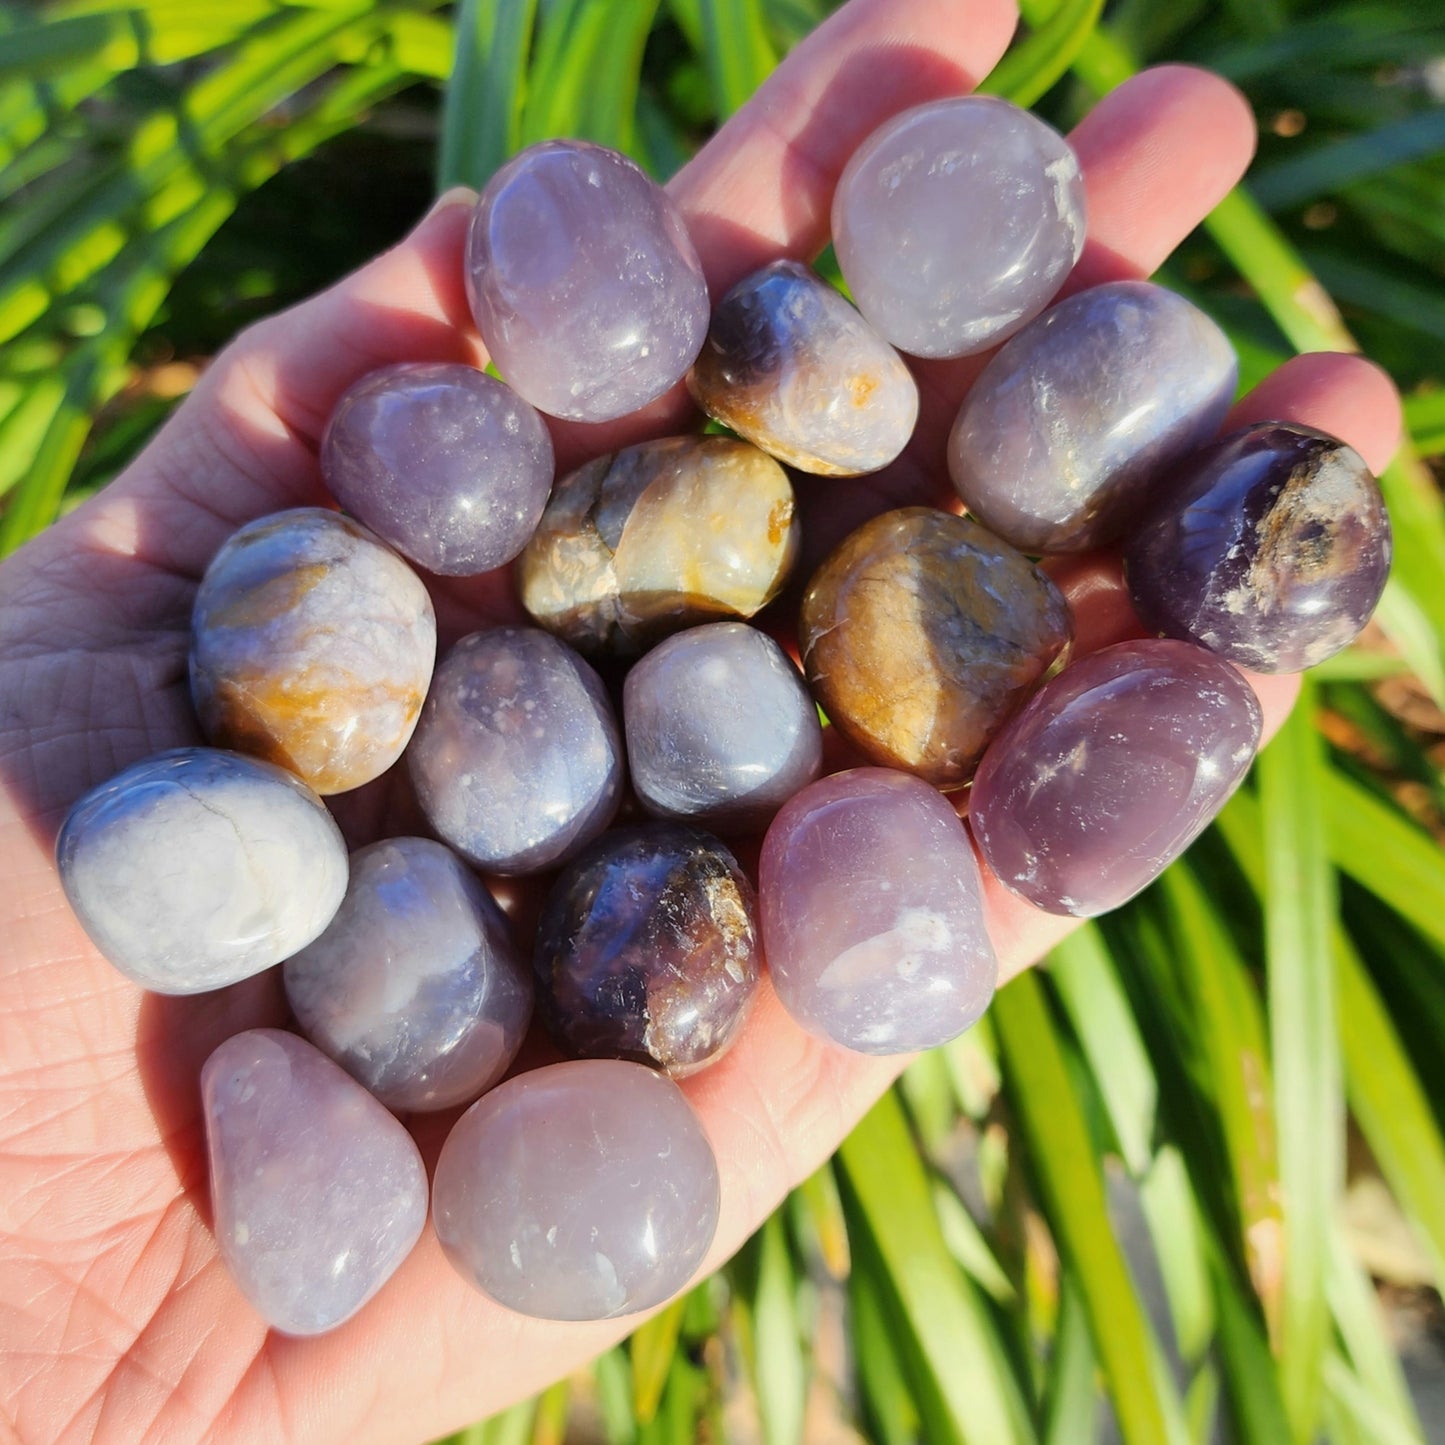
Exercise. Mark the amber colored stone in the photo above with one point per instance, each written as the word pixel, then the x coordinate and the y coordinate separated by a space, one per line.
pixel 923 633
pixel 658 537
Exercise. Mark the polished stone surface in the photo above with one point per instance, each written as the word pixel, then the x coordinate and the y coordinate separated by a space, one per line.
pixel 648 949
pixel 578 1191
pixel 317 1193
pixel 656 538
pixel 442 461
pixel 517 760
pixel 1111 771
pixel 417 988
pixel 872 914
pixel 720 729
pixel 584 282
pixel 1077 424
pixel 921 633
pixel 1271 550
pixel 197 868
pixel 956 222
pixel 312 646
pixel 792 367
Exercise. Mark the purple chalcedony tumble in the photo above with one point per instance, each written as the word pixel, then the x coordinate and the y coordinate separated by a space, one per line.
pixel 956 222
pixel 1272 551
pixel 648 949
pixel 416 988
pixel 872 914
pixel 1072 429
pixel 517 759
pixel 1111 771
pixel 442 461
pixel 318 1193
pixel 579 1191
pixel 584 282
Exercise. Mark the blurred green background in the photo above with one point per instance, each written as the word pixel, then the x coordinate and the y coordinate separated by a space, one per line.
pixel 1187 1183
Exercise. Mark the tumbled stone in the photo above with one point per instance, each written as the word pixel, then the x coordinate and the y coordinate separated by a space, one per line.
pixel 720 729
pixel 921 633
pixel 517 761
pixel 1075 426
pixel 872 915
pixel 579 1191
pixel 585 285
pixel 1110 771
pixel 318 1194
pixel 647 949
pixel 656 538
pixel 956 222
pixel 791 366
pixel 1272 550
pixel 197 868
pixel 442 461
pixel 312 645
pixel 416 988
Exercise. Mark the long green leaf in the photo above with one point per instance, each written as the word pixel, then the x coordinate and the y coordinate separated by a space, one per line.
pixel 1040 61
pixel 482 106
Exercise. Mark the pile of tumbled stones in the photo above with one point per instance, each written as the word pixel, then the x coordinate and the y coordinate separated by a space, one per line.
pixel 933 643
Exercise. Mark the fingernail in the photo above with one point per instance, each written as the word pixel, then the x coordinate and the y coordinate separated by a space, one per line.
pixel 457 198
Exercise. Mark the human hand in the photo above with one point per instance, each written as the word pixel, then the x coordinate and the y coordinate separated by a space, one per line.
pixel 117 1319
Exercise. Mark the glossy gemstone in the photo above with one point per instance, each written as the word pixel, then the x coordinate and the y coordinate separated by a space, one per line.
pixel 584 282
pixel 197 868
pixel 445 463
pixel 648 949
pixel 517 761
pixel 791 366
pixel 922 633
pixel 318 1193
pixel 1074 427
pixel 312 645
pixel 720 729
pixel 416 989
pixel 658 537
pixel 956 222
pixel 579 1191
pixel 1111 771
pixel 1272 551
pixel 872 914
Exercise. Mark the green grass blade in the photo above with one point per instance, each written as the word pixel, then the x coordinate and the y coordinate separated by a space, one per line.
pixel 1034 66
pixel 652 1347
pixel 766 1305
pixel 1425 421
pixel 736 49
pixel 1175 1226
pixel 1072 1405
pixel 482 105
pixel 1250 1382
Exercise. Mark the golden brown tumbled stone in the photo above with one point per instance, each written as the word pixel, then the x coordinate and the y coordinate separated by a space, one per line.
pixel 658 537
pixel 921 635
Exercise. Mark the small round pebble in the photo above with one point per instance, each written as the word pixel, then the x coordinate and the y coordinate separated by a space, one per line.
pixel 416 988
pixel 956 222
pixel 585 285
pixel 872 914
pixel 312 645
pixel 442 461
pixel 517 761
pixel 1111 771
pixel 579 1191
pixel 720 728
pixel 318 1194
pixel 197 868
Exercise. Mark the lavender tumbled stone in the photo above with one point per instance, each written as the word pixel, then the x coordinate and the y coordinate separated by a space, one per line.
pixel 584 282
pixel 442 461
pixel 1111 771
pixel 956 222
pixel 720 728
pixel 1271 551
pixel 318 1193
pixel 872 914
pixel 197 868
pixel 1072 428
pixel 517 760
pixel 416 988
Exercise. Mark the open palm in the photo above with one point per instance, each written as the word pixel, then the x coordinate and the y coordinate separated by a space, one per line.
pixel 117 1319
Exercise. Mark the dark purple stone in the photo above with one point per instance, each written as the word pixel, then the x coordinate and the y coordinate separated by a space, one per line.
pixel 1110 771
pixel 1272 553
